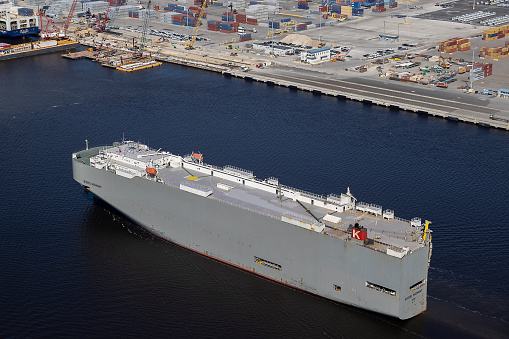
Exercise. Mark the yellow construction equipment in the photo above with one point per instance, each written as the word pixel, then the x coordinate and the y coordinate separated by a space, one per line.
pixel 190 43
pixel 442 61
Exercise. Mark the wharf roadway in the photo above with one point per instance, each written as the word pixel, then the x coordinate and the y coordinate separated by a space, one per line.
pixel 468 108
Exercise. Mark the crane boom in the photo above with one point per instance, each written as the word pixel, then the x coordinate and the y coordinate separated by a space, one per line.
pixel 190 43
pixel 69 17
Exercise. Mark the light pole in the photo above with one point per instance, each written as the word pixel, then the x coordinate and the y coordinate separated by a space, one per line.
pixel 472 69
pixel 383 53
pixel 320 36
pixel 272 36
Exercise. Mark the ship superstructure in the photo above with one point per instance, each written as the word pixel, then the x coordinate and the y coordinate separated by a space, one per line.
pixel 333 246
pixel 17 21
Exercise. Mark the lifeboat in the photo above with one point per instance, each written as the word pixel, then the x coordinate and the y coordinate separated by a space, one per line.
pixel 198 156
pixel 151 170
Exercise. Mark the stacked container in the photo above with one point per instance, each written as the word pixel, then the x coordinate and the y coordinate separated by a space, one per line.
pixel 454 45
pixel 488 69
pixel 121 11
pixel 258 12
pixel 167 17
pixel 495 53
pixel 178 20
pixel 228 16
pixel 302 5
pixel 245 37
pixel 274 24
pixel 346 10
pixel 358 11
pixel 496 33
pixel 95 6
pixel 302 27
pixel 213 25
pixel 116 3
pixel 228 27
pixel 241 18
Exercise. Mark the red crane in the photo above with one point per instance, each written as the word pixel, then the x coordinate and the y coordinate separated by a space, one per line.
pixel 101 22
pixel 60 32
pixel 69 17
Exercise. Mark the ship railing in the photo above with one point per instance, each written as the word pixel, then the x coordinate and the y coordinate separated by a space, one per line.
pixel 272 181
pixel 238 171
pixel 401 219
pixel 301 218
pixel 305 193
pixel 369 208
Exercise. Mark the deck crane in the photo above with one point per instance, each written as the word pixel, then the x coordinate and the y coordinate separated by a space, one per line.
pixel 190 43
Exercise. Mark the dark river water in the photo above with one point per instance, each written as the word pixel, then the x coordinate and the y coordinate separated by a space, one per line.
pixel 71 267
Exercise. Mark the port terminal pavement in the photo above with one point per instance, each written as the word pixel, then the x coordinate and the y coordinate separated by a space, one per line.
pixel 421 27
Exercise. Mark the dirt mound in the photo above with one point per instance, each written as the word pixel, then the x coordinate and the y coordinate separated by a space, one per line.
pixel 304 40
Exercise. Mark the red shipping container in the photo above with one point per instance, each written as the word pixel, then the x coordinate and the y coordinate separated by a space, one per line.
pixel 322 8
pixel 213 28
pixel 251 21
pixel 393 6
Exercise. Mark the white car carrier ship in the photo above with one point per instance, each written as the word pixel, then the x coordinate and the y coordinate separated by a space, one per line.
pixel 335 247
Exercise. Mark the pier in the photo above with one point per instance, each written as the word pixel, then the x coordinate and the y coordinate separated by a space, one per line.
pixel 373 95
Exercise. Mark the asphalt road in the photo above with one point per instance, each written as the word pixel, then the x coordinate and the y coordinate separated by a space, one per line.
pixel 388 93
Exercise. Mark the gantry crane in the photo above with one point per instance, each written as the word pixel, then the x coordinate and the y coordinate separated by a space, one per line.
pixel 190 43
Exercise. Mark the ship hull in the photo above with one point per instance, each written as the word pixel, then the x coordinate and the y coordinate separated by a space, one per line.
pixel 5 55
pixel 310 261
pixel 16 33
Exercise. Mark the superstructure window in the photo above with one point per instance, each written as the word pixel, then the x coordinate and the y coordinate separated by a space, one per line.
pixel 417 285
pixel 337 288
pixel 380 288
pixel 267 263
